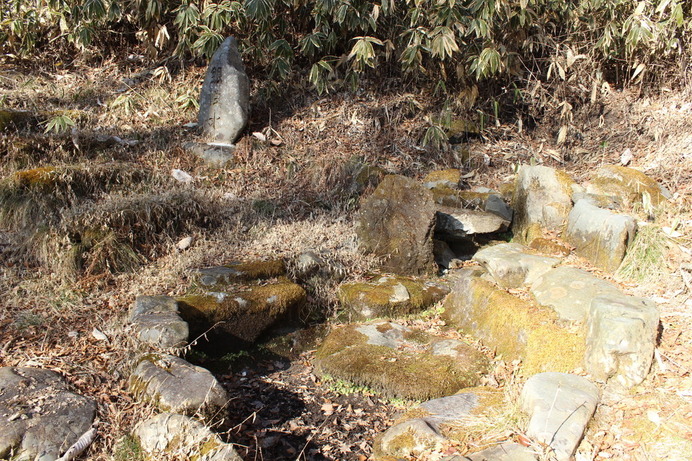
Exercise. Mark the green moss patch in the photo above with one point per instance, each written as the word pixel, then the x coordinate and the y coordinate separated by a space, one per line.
pixel 515 328
pixel 421 367
pixel 389 296
pixel 627 184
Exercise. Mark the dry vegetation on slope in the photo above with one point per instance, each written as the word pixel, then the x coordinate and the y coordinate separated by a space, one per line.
pixel 279 200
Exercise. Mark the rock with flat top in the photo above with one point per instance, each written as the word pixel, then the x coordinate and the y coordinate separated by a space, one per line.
pixel 40 418
pixel 458 223
pixel 513 265
pixel 156 321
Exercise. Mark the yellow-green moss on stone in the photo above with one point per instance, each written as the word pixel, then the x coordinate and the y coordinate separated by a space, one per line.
pixel 515 328
pixel 443 178
pixel 627 184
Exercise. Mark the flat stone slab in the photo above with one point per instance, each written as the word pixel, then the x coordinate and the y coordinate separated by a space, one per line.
pixel 213 154
pixel 513 265
pixel 458 223
pixel 169 435
pixel 627 186
pixel 40 418
pixel 400 361
pixel 241 312
pixel 241 271
pixel 396 222
pixel 569 291
pixel 599 235
pixel 514 327
pixel 621 338
pixel 436 422
pixel 173 384
pixel 559 406
pixel 156 322
pixel 507 451
pixel 389 296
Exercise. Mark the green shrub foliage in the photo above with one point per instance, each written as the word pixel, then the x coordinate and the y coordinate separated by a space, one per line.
pixel 337 41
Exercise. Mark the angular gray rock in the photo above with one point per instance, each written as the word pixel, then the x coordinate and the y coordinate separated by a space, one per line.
pixel 569 291
pixel 542 197
pixel 225 96
pixel 559 406
pixel 213 154
pixel 156 321
pixel 513 265
pixel 506 451
pixel 621 338
pixel 599 235
pixel 40 418
pixel 496 205
pixel 397 222
pixel 168 436
pixel 458 223
pixel 173 384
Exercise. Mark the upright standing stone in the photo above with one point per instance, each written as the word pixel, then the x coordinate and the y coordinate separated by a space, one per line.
pixel 621 339
pixel 599 235
pixel 225 97
pixel 397 222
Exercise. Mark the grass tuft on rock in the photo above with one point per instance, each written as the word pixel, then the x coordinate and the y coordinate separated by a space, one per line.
pixel 646 257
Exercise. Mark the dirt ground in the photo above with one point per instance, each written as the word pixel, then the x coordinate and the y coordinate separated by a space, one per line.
pixel 280 409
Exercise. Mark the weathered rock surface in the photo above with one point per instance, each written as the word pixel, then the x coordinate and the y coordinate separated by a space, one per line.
pixel 156 321
pixel 621 338
pixel 457 223
pixel 444 256
pixel 542 197
pixel 559 406
pixel 400 361
pixel 397 222
pixel 168 436
pixel 515 328
pixel 435 422
pixel 213 154
pixel 173 384
pixel 40 418
pixel 627 186
pixel 513 265
pixel 225 97
pixel 569 291
pixel 240 272
pixel 389 296
pixel 443 178
pixel 506 451
pixel 243 312
pixel 599 235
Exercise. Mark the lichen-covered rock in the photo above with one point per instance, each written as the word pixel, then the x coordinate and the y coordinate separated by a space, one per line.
pixel 457 223
pixel 543 197
pixel 240 272
pixel 156 321
pixel 627 186
pixel 569 291
pixel 242 312
pixel 599 235
pixel 173 384
pixel 173 436
pixel 513 265
pixel 397 222
pixel 559 406
pixel 434 423
pixel 389 296
pixel 621 338
pixel 515 328
pixel 443 178
pixel 399 361
pixel 549 247
pixel 224 101
pixel 41 417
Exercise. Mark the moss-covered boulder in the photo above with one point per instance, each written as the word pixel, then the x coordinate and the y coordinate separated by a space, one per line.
pixel 514 327
pixel 443 178
pixel 542 197
pixel 244 311
pixel 396 222
pixel 240 272
pixel 389 296
pixel 400 361
pixel 627 185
